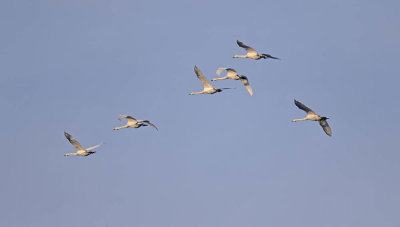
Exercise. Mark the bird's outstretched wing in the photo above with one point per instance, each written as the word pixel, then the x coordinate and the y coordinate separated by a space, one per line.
pixel 303 107
pixel 270 56
pixel 148 123
pixel 246 83
pixel 325 126
pixel 203 79
pixel 229 70
pixel 220 70
pixel 121 117
pixel 130 119
pixel 248 49
pixel 74 142
pixel 94 147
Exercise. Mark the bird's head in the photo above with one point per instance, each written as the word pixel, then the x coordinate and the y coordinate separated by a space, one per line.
pixel 218 89
pixel 324 118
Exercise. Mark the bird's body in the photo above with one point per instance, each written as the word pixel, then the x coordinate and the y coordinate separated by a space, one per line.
pixel 207 87
pixel 133 123
pixel 79 149
pixel 312 116
pixel 252 53
pixel 233 75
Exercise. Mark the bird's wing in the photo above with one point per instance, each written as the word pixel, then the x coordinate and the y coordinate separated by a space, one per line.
pixel 94 147
pixel 270 56
pixel 203 79
pixel 130 119
pixel 219 70
pixel 121 117
pixel 325 127
pixel 148 123
pixel 246 83
pixel 231 72
pixel 248 49
pixel 303 107
pixel 73 141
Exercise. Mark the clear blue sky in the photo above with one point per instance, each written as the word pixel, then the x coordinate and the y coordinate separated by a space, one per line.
pixel 226 159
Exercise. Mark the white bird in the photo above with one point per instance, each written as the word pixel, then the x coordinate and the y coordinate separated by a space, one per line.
pixel 79 149
pixel 251 53
pixel 133 123
pixel 232 74
pixel 312 116
pixel 208 88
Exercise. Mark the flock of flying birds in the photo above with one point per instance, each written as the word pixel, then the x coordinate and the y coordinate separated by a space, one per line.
pixel 208 89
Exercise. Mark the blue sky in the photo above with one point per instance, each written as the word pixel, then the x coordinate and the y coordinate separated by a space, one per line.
pixel 226 159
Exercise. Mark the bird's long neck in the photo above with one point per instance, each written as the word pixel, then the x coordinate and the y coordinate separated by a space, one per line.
pixel 221 78
pixel 301 119
pixel 196 93
pixel 118 128
pixel 240 56
pixel 68 154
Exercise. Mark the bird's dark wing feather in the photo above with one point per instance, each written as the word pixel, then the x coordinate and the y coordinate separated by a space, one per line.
pixel 248 49
pixel 148 123
pixel 270 56
pixel 74 142
pixel 303 107
pixel 246 83
pixel 325 127
pixel 242 44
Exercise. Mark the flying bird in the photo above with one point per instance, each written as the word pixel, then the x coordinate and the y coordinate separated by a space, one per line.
pixel 208 88
pixel 133 123
pixel 312 116
pixel 232 74
pixel 79 149
pixel 251 53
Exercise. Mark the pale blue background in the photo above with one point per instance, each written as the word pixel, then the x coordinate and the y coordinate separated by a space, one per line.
pixel 218 160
